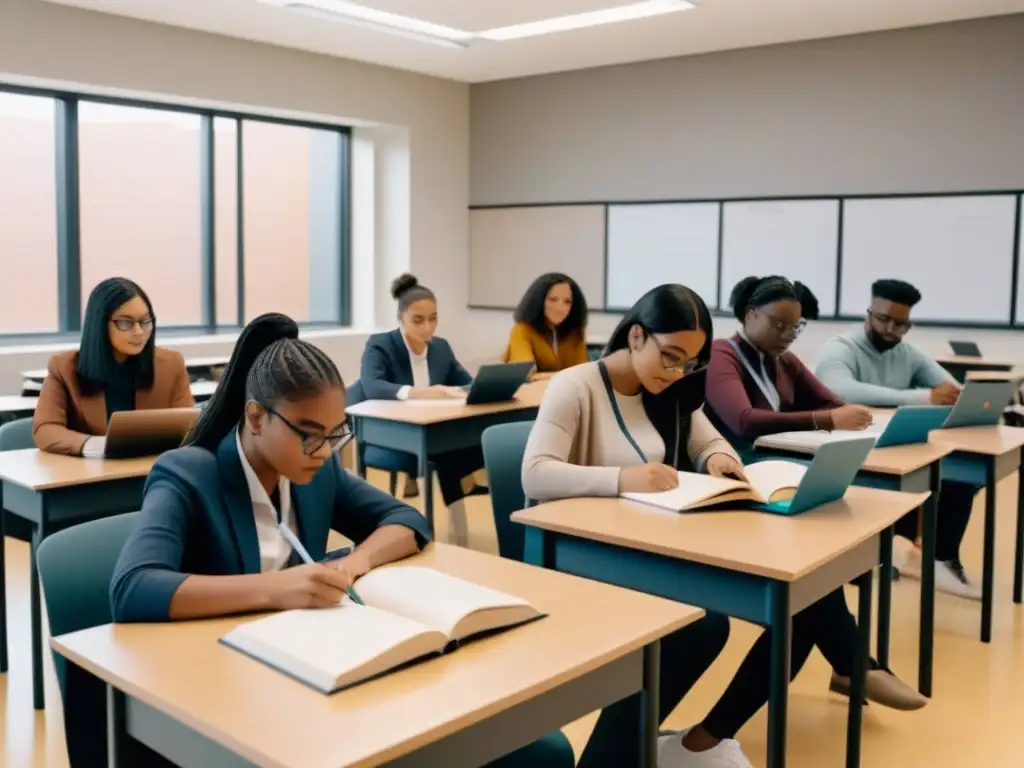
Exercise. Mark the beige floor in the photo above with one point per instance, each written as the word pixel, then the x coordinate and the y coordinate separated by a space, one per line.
pixel 975 719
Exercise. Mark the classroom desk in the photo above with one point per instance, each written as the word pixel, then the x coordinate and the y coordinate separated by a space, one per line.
pixel 51 491
pixel 984 456
pixel 755 566
pixel 959 366
pixel 14 407
pixel 429 428
pixel 911 469
pixel 199 369
pixel 222 708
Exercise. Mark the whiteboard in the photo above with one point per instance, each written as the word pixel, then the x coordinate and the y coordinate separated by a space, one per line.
pixel 509 248
pixel 958 251
pixel 1020 265
pixel 649 245
pixel 797 239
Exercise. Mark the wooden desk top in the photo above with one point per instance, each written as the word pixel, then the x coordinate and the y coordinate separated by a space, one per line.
pixel 435 411
pixel 16 403
pixel 1000 375
pixel 987 441
pixel 39 471
pixel 190 362
pixel 896 460
pixel 973 362
pixel 760 543
pixel 244 705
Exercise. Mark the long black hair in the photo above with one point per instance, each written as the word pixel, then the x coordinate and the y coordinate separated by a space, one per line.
pixel 269 364
pixel 96 366
pixel 531 306
pixel 756 292
pixel 670 308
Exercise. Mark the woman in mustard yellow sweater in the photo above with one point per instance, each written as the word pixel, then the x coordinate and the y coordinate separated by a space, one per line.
pixel 551 322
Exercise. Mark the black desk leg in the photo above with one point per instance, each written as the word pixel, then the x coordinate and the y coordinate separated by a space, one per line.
pixel 428 483
pixel 778 686
pixel 1018 552
pixel 926 628
pixel 38 696
pixel 117 729
pixel 855 713
pixel 988 565
pixel 884 597
pixel 650 718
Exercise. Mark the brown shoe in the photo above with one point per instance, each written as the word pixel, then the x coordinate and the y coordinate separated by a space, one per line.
pixel 883 687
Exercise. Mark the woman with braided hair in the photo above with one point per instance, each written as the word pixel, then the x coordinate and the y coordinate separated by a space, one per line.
pixel 264 454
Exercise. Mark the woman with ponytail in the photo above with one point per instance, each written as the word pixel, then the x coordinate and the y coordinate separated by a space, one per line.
pixel 264 454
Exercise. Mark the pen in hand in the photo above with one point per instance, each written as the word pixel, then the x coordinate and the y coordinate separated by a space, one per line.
pixel 293 540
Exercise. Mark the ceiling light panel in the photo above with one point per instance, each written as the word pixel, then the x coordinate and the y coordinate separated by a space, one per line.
pixel 616 15
pixel 475 15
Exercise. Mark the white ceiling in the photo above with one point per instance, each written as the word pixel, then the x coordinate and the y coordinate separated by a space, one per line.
pixel 714 26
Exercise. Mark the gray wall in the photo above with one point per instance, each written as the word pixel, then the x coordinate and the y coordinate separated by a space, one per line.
pixel 928 109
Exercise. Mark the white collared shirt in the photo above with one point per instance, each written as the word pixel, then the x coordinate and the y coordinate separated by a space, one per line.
pixel 420 370
pixel 761 378
pixel 274 549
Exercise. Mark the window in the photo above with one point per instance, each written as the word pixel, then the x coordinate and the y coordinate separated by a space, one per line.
pixel 292 219
pixel 28 214
pixel 139 194
pixel 219 216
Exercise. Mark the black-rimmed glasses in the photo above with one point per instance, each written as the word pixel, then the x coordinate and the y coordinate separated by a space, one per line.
pixel 125 324
pixel 670 363
pixel 312 442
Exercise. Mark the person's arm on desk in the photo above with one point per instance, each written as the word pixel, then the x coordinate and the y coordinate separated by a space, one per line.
pixel 383 528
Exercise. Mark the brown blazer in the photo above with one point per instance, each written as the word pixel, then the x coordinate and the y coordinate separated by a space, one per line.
pixel 65 418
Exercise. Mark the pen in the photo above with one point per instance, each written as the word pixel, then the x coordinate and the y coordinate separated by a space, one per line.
pixel 293 540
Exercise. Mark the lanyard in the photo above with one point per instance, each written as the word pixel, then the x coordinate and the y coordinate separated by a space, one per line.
pixel 771 394
pixel 618 414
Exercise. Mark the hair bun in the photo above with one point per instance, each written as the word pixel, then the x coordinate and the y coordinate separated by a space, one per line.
pixel 403 283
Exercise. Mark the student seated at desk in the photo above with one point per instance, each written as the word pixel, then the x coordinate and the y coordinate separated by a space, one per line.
pixel 755 387
pixel 874 366
pixel 117 367
pixel 264 455
pixel 551 324
pixel 630 422
pixel 411 363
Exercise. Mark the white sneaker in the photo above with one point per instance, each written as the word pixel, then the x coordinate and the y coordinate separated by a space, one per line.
pixel 906 558
pixel 952 579
pixel 672 754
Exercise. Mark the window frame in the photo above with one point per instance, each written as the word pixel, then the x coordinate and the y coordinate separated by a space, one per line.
pixel 67 220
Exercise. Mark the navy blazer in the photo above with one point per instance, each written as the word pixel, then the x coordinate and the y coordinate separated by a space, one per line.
pixel 197 518
pixel 386 366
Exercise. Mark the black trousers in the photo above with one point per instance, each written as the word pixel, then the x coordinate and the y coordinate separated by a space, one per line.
pixel 450 467
pixel 955 502
pixel 686 654
pixel 827 623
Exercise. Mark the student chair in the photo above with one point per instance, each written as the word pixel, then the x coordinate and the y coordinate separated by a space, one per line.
pixel 16 436
pixel 504 446
pixel 354 395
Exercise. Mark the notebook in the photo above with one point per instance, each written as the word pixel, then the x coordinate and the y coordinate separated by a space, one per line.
pixel 780 486
pixel 411 613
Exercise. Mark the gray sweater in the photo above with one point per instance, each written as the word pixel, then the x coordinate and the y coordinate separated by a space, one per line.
pixel 858 373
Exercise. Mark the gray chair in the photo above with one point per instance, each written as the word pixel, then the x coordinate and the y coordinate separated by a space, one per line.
pixel 16 436
pixel 354 395
pixel 504 446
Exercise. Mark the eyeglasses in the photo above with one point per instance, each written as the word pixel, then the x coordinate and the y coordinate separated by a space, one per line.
pixel 670 362
pixel 782 328
pixel 125 324
pixel 312 442
pixel 899 326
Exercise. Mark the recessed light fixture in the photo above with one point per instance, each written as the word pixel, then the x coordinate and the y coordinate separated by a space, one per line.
pixel 437 34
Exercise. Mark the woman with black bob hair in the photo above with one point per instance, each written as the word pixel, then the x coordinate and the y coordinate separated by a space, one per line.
pixel 264 454
pixel 551 324
pixel 117 367
pixel 629 423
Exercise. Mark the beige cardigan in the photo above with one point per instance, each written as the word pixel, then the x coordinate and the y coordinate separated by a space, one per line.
pixel 557 462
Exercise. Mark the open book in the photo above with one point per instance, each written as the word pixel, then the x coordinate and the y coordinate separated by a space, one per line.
pixel 769 481
pixel 410 613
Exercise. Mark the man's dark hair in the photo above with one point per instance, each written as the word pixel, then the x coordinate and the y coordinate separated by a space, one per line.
pixel 896 291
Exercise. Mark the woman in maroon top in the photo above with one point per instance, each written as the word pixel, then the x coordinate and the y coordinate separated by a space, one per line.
pixel 755 387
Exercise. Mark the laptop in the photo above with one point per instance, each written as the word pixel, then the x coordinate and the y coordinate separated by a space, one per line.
pixel 147 433
pixel 498 383
pixel 912 423
pixel 980 404
pixel 965 348
pixel 831 472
